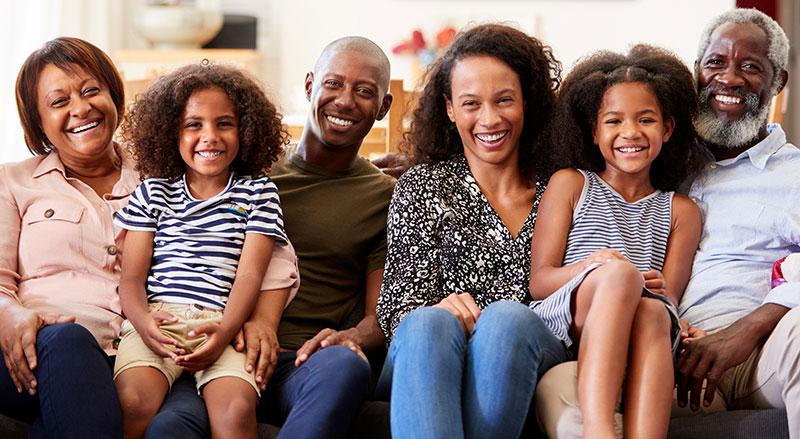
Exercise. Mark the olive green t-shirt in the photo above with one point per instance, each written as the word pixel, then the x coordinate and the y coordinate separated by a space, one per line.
pixel 336 222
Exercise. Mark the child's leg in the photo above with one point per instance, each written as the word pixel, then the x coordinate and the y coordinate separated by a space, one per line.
pixel 605 304
pixel 141 391
pixel 650 379
pixel 231 404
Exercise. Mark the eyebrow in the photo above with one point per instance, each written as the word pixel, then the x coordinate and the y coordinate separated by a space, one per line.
pixel 615 112
pixel 61 90
pixel 195 117
pixel 472 95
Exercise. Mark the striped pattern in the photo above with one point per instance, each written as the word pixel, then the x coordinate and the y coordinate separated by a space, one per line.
pixel 603 219
pixel 198 243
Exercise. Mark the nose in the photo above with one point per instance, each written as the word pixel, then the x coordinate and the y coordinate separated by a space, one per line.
pixel 344 99
pixel 489 116
pixel 80 107
pixel 631 131
pixel 730 77
pixel 209 135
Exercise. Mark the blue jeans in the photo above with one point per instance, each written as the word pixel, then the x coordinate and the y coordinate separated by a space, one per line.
pixel 318 399
pixel 76 397
pixel 445 384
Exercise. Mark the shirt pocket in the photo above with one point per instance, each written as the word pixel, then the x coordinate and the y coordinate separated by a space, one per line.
pixel 51 236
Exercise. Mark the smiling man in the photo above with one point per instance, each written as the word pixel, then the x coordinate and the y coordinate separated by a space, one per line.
pixel 749 198
pixel 334 205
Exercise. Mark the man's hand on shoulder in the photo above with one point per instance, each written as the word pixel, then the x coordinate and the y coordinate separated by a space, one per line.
pixel 349 338
pixel 393 163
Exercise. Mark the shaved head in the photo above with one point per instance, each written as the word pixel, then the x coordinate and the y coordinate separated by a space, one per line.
pixel 360 45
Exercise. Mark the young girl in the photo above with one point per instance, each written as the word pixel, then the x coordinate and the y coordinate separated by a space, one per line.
pixel 201 230
pixel 613 247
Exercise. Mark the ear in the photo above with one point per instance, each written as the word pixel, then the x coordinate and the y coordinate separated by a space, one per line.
pixel 309 85
pixel 594 133
pixel 385 105
pixel 784 78
pixel 449 105
pixel 669 128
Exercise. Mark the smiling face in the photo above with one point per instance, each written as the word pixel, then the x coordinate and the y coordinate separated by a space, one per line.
pixel 488 110
pixel 209 138
pixel 346 98
pixel 630 129
pixel 76 113
pixel 736 82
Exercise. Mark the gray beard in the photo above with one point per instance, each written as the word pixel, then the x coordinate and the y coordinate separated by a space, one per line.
pixel 730 134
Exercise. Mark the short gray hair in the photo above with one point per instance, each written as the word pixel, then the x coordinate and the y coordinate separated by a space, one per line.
pixel 778 52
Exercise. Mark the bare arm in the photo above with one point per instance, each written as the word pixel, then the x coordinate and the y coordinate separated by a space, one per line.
pixel 681 247
pixel 549 242
pixel 242 299
pixel 136 259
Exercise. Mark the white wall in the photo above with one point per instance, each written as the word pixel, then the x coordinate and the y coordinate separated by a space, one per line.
pixel 293 32
pixel 573 28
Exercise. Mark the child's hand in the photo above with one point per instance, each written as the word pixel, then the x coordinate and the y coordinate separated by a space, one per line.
pixel 262 348
pixel 654 281
pixel 147 326
pixel 602 256
pixel 216 342
pixel 690 333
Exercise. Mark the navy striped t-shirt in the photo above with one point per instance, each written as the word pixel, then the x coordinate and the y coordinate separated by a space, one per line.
pixel 198 243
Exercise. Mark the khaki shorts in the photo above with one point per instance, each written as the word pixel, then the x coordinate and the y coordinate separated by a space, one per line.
pixel 132 351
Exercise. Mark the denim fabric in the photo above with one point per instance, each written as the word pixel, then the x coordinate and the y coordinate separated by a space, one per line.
pixel 182 415
pixel 318 399
pixel 444 384
pixel 76 397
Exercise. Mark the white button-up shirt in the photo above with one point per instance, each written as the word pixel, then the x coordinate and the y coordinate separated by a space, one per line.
pixel 751 218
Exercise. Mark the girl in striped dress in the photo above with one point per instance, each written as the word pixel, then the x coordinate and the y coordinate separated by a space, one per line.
pixel 200 234
pixel 613 246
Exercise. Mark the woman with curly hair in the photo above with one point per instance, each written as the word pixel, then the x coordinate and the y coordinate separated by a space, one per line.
pixel 200 233
pixel 613 247
pixel 465 352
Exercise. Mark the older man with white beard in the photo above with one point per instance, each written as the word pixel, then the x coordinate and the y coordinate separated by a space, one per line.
pixel 750 199
pixel 744 347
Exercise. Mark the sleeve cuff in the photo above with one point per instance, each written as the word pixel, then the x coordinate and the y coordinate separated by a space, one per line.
pixel 787 295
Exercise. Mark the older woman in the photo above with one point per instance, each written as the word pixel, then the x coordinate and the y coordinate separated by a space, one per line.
pixel 466 353
pixel 59 252
pixel 59 310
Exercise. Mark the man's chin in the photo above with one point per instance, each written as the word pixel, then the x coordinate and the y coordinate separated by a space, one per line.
pixel 730 134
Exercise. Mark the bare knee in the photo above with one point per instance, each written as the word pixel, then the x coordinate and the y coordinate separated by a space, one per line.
pixel 617 281
pixel 137 400
pixel 231 405
pixel 652 317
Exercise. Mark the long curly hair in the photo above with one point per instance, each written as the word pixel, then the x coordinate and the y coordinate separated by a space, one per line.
pixel 151 128
pixel 581 96
pixel 433 137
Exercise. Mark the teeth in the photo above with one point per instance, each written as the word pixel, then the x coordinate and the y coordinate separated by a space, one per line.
pixel 631 149
pixel 83 128
pixel 340 122
pixel 209 154
pixel 491 137
pixel 727 99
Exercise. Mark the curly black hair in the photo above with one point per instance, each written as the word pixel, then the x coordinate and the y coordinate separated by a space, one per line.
pixel 581 96
pixel 433 137
pixel 151 128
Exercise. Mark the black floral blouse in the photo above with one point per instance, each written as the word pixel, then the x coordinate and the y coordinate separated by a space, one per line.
pixel 444 237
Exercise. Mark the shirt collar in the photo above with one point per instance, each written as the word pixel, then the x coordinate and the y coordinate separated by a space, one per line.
pixel 51 162
pixel 761 152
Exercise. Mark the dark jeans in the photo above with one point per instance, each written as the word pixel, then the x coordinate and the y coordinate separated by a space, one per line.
pixel 76 397
pixel 318 399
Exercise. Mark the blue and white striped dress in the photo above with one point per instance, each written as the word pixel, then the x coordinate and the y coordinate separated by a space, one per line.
pixel 603 219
